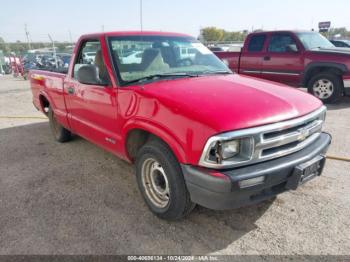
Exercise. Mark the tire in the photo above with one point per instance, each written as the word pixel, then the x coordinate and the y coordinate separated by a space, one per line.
pixel 59 132
pixel 161 182
pixel 326 86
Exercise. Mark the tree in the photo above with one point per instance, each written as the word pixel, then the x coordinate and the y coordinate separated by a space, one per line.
pixel 4 47
pixel 212 34
pixel 233 36
pixel 342 31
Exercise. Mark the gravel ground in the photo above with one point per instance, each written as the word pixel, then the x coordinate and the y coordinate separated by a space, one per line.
pixel 75 198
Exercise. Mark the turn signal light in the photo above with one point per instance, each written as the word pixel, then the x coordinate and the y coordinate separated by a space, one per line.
pixel 251 182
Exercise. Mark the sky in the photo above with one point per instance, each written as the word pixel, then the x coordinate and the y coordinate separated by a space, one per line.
pixel 68 19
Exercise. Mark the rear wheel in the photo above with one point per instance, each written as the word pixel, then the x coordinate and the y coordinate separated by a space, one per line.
pixel 60 133
pixel 161 182
pixel 327 87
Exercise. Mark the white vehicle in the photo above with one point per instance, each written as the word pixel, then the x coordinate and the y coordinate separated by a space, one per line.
pixel 134 58
pixel 89 56
pixel 187 52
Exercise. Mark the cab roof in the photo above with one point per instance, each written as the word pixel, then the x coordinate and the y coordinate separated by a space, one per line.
pixel 135 33
pixel 284 31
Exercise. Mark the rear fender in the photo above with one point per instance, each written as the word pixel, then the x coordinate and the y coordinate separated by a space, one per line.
pixel 61 116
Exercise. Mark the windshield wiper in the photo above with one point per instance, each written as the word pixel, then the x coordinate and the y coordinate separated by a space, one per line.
pixel 218 72
pixel 160 76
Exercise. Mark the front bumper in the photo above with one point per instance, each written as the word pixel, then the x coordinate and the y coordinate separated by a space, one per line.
pixel 222 191
pixel 346 82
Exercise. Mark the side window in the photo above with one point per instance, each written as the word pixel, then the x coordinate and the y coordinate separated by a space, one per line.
pixel 256 43
pixel 282 44
pixel 90 54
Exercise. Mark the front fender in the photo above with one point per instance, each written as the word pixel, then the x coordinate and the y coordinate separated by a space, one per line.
pixel 342 67
pixel 159 131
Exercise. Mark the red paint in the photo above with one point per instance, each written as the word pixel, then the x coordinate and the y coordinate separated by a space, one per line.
pixel 298 64
pixel 184 112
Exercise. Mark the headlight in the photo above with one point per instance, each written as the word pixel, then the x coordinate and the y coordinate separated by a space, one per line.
pixel 220 151
pixel 229 149
pixel 323 116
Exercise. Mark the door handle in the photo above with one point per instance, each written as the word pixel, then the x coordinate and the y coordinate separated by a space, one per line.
pixel 267 58
pixel 70 90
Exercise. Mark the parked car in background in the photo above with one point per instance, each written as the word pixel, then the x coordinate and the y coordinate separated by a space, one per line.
pixel 46 61
pixel 187 52
pixel 7 66
pixel 297 58
pixel 134 57
pixel 89 56
pixel 64 60
pixel 341 43
pixel 197 133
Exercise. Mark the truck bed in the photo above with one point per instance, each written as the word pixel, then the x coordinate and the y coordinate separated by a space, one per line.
pixel 49 85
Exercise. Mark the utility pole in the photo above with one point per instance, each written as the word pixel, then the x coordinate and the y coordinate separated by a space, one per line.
pixel 103 28
pixel 54 51
pixel 27 35
pixel 70 36
pixel 141 22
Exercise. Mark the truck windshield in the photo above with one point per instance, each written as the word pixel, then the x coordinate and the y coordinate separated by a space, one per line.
pixel 141 57
pixel 313 40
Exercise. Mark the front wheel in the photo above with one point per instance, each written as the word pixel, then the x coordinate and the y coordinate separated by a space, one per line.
pixel 161 182
pixel 327 87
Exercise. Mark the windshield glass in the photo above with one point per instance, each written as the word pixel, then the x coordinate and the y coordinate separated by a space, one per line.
pixel 312 40
pixel 137 57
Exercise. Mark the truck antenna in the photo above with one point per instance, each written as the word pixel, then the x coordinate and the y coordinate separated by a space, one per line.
pixel 141 18
pixel 54 50
pixel 27 36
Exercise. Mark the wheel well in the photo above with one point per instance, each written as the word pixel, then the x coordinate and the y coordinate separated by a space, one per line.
pixel 321 69
pixel 44 104
pixel 136 139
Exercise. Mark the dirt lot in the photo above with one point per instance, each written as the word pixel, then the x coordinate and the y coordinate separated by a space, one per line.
pixel 75 198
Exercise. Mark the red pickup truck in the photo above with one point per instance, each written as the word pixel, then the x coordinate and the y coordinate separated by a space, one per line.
pixel 197 133
pixel 296 58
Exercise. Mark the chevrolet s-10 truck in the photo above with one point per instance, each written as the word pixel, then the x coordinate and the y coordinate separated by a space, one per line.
pixel 296 58
pixel 196 132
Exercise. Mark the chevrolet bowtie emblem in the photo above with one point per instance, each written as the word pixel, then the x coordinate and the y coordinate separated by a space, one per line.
pixel 304 133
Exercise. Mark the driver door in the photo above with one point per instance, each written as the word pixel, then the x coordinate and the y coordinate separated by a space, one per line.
pixel 92 108
pixel 283 61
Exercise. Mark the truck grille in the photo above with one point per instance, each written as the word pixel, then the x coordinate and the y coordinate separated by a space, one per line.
pixel 267 142
pixel 287 137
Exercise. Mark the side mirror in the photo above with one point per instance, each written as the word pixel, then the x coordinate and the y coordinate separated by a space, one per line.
pixel 292 49
pixel 88 74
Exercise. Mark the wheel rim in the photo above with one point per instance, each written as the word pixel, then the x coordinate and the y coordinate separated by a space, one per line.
pixel 323 88
pixel 155 183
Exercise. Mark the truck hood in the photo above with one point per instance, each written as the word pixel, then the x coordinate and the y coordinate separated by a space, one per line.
pixel 333 50
pixel 231 102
